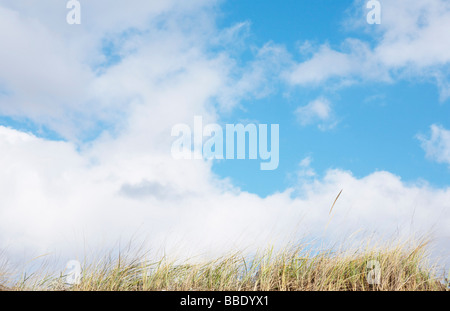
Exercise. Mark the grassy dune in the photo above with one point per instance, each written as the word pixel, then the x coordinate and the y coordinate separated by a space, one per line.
pixel 402 267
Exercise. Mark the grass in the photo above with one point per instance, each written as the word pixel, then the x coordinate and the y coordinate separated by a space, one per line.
pixel 402 266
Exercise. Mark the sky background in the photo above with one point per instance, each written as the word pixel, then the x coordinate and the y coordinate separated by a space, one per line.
pixel 86 113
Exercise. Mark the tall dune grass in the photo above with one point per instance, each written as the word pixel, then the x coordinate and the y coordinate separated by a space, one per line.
pixel 403 267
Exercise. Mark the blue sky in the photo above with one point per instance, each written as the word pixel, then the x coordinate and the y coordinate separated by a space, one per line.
pixel 378 122
pixel 86 113
pixel 378 130
pixel 289 22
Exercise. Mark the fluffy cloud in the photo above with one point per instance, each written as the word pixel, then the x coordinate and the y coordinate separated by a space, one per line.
pixel 437 146
pixel 58 75
pixel 318 110
pixel 414 33
pixel 353 62
pixel 411 42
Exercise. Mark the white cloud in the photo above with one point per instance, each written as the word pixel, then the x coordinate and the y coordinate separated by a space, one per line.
pixel 325 64
pixel 50 71
pixel 64 86
pixel 415 33
pixel 305 171
pixel 317 111
pixel 437 146
pixel 354 61
pixel 411 42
